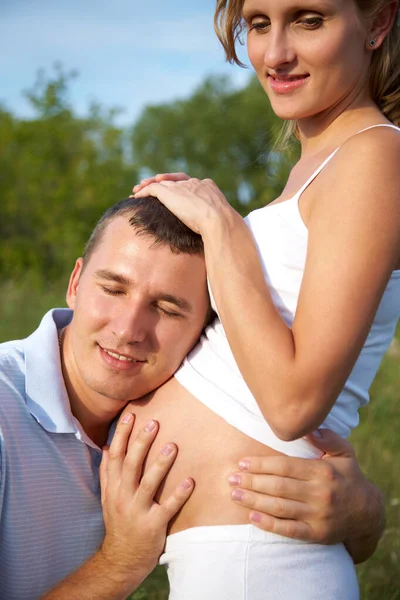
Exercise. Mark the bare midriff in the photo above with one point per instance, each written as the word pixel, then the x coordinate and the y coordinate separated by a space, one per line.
pixel 209 451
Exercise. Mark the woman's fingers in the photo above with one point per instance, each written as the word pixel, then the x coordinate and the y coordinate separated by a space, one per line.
pixel 138 448
pixel 117 451
pixel 180 200
pixel 172 177
pixel 160 177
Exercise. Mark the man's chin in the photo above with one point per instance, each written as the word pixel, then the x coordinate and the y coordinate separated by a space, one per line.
pixel 114 395
pixel 127 393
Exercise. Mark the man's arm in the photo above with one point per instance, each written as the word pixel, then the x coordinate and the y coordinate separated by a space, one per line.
pixel 326 500
pixel 135 524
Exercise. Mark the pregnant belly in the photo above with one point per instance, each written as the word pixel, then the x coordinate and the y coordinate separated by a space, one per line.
pixel 209 450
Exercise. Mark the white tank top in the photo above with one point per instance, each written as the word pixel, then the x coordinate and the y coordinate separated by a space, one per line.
pixel 210 372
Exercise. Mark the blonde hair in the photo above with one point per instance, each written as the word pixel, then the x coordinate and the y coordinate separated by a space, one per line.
pixel 385 65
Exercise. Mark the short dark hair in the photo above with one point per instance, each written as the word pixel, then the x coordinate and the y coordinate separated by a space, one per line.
pixel 149 217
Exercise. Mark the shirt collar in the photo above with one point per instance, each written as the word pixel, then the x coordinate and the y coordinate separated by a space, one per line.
pixel 46 395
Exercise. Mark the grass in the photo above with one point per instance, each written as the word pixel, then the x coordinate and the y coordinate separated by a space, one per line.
pixel 377 439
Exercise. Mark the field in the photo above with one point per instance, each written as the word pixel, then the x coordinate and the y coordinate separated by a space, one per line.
pixel 377 440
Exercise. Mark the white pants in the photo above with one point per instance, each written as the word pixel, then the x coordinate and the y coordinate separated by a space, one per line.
pixel 241 562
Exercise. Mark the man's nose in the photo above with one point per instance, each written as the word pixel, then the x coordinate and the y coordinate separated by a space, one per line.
pixel 279 51
pixel 131 325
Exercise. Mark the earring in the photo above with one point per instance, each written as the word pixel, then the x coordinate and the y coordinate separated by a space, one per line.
pixel 372 43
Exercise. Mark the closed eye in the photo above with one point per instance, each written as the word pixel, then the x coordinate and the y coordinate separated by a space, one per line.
pixel 111 292
pixel 169 313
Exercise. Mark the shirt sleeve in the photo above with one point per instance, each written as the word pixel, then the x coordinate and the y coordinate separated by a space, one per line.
pixel 2 470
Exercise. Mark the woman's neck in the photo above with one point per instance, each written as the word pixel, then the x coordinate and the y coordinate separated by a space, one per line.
pixel 329 130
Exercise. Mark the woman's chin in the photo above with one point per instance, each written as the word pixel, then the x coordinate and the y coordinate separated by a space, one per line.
pixel 292 111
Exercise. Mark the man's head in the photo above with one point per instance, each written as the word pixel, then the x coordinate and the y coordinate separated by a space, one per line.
pixel 150 218
pixel 140 301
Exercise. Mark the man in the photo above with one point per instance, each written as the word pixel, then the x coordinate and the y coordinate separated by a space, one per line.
pixel 140 301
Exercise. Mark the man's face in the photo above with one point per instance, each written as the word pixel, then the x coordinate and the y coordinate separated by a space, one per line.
pixel 138 310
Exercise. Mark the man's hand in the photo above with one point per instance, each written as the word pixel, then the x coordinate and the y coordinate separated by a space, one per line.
pixel 135 524
pixel 325 500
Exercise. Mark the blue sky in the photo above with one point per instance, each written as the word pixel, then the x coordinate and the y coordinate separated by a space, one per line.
pixel 128 53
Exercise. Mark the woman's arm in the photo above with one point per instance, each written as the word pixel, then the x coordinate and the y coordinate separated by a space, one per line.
pixel 354 243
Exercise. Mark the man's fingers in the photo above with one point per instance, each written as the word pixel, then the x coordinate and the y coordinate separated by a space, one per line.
pixel 118 448
pixel 282 466
pixel 136 453
pixel 154 476
pixel 103 473
pixel 287 528
pixel 272 485
pixel 331 443
pixel 271 505
pixel 174 503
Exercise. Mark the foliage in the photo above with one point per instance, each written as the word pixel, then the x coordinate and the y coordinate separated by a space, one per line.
pixel 218 132
pixel 58 172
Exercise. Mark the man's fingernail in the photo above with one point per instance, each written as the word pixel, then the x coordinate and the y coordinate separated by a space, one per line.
pixel 244 465
pixel 255 517
pixel 187 484
pixel 150 426
pixel 237 495
pixel 234 479
pixel 317 434
pixel 127 418
pixel 168 449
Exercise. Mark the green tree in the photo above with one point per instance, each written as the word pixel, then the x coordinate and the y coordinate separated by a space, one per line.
pixel 58 173
pixel 219 132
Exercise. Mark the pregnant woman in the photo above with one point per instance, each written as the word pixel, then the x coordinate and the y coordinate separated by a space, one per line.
pixel 307 289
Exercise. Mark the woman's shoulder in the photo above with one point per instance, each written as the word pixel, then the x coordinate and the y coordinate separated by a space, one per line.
pixel 377 147
pixel 367 163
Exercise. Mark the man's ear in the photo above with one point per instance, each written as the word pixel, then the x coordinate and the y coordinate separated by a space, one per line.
pixel 74 283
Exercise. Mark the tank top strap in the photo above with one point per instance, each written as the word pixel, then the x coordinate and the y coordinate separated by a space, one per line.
pixel 327 160
pixel 314 175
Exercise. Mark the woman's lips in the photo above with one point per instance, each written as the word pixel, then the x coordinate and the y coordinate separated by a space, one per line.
pixel 286 85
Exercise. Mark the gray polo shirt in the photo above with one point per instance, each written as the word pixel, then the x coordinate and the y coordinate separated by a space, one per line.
pixel 50 512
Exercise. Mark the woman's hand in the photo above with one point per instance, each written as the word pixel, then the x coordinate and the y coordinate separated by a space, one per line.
pixel 159 178
pixel 199 204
